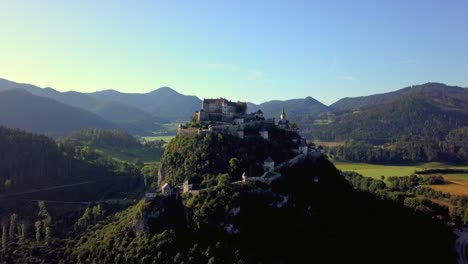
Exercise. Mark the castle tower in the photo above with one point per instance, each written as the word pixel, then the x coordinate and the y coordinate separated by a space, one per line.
pixel 283 115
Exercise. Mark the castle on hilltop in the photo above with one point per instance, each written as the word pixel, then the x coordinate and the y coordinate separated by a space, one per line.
pixel 223 110
pixel 227 117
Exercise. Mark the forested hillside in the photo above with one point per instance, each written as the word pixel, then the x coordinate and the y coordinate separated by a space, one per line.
pixel 438 93
pixel 427 125
pixel 189 156
pixel 30 161
pixel 113 144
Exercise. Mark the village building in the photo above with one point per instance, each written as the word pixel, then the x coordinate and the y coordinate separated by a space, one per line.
pixel 321 149
pixel 240 132
pixel 191 186
pixel 150 194
pixel 166 189
pixel 269 164
pixel 263 133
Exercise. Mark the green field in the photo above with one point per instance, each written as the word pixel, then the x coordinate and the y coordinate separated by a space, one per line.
pixel 457 183
pixel 376 171
pixel 169 132
pixel 163 138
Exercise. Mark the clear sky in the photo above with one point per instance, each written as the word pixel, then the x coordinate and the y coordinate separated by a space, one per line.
pixel 243 50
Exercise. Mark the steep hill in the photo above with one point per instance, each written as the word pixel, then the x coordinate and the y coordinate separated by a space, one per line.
pixel 21 109
pixel 164 102
pixel 451 97
pixel 405 117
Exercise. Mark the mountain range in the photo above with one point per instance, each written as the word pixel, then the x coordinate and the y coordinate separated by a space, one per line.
pixel 142 113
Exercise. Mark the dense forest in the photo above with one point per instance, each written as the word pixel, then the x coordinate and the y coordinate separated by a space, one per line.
pixel 31 161
pixel 416 128
pixel 453 148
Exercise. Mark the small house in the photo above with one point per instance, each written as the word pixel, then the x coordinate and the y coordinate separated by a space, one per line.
pixel 238 121
pixel 264 133
pixel 240 132
pixel 150 194
pixel 269 164
pixel 321 149
pixel 166 189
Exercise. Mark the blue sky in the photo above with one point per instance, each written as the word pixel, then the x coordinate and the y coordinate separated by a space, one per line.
pixel 242 50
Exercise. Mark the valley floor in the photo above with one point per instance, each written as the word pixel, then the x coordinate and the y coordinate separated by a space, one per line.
pixel 457 184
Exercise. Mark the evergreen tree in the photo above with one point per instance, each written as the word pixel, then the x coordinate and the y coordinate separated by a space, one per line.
pixel 12 228
pixel 4 238
pixel 38 225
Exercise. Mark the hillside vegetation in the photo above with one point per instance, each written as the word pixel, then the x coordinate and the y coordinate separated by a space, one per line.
pixel 429 124
pixel 114 144
pixel 29 161
pixel 190 156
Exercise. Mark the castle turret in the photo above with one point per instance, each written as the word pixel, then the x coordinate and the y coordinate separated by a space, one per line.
pixel 283 115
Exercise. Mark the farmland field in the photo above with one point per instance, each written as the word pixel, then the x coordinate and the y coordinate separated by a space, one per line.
pixel 457 184
pixel 377 170
pixel 163 138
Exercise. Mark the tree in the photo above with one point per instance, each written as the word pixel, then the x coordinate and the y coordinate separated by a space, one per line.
pixel 13 220
pixel 22 231
pixel 293 125
pixel 234 165
pixel 4 238
pixel 97 212
pixel 8 184
pixel 139 164
pixel 223 180
pixel 38 226
pixel 46 221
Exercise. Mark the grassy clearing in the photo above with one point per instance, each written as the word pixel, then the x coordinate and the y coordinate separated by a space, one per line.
pixel 169 132
pixel 163 138
pixel 457 184
pixel 329 144
pixel 376 171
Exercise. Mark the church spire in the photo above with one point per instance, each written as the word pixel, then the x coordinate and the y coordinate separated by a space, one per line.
pixel 283 115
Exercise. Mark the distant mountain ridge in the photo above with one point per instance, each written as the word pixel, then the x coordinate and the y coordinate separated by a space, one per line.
pixel 438 93
pixel 114 106
pixel 143 113
pixel 21 109
pixel 163 102
pixel 294 108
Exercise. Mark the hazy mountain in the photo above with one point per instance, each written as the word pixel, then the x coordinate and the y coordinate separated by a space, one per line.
pixel 106 108
pixel 295 108
pixel 21 109
pixel 163 102
pixel 437 93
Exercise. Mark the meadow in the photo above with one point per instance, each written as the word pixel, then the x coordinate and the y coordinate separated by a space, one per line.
pixel 457 184
pixel 169 132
